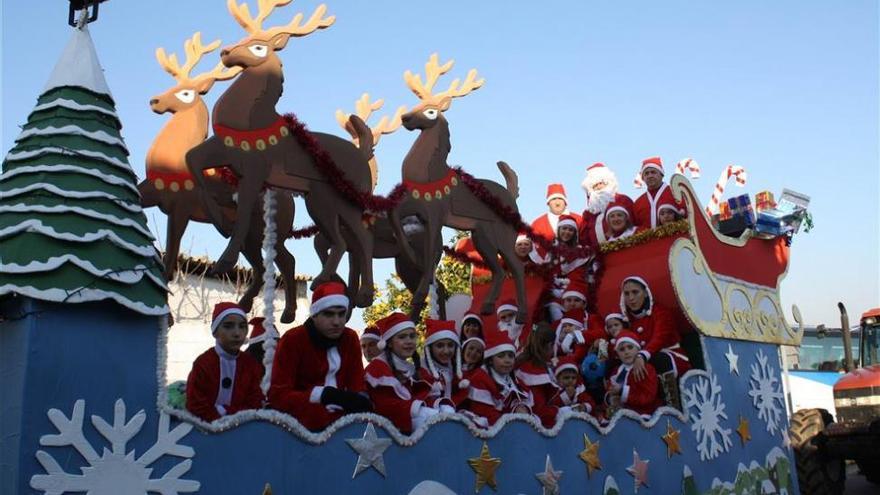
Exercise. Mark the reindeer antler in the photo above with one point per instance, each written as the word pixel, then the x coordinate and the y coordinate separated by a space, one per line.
pixel 364 108
pixel 254 25
pixel 433 71
pixel 194 51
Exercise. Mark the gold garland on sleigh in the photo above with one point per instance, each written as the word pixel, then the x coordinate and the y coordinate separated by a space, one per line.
pixel 670 229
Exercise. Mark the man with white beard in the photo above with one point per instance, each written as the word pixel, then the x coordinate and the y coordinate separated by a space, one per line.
pixel 601 187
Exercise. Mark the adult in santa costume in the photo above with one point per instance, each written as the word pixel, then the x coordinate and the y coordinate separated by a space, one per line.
pixel 619 222
pixel 534 371
pixel 318 375
pixel 571 392
pixel 545 225
pixel 441 368
pixel 223 379
pixel 393 382
pixel 657 334
pixel 646 206
pixel 601 187
pixel 625 390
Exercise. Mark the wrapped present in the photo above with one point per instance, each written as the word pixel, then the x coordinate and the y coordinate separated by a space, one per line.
pixel 793 207
pixel 764 201
pixel 724 211
pixel 741 206
pixel 733 226
pixel 770 223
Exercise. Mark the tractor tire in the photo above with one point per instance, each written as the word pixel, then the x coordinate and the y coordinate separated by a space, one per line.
pixel 817 475
pixel 871 471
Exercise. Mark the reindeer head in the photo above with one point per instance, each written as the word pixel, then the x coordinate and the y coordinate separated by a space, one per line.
pixel 186 93
pixel 261 44
pixel 427 113
pixel 364 109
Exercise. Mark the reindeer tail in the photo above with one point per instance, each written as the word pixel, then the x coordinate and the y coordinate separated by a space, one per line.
pixel 510 177
pixel 364 136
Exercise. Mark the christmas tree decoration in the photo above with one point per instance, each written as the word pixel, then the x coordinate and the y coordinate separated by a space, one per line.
pixel 639 471
pixel 672 439
pixel 267 490
pixel 610 487
pixel 370 449
pixel 743 430
pixel 485 466
pixel 549 478
pixel 688 484
pixel 765 389
pixel 590 455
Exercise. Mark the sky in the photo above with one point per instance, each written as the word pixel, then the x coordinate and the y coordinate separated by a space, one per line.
pixel 787 89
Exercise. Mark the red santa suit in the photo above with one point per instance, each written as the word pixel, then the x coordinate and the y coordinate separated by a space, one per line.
pixel 593 225
pixel 448 389
pixel 205 395
pixel 647 205
pixel 540 384
pixel 641 396
pixel 581 398
pixel 545 225
pixel 656 330
pixel 573 344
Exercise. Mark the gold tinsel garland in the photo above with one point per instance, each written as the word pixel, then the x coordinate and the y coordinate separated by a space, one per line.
pixel 670 229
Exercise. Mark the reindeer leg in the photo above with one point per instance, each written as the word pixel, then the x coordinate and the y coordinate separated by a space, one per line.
pixel 489 252
pixel 207 155
pixel 254 255
pixel 361 255
pixel 284 260
pixel 430 257
pixel 517 271
pixel 177 222
pixel 248 197
pixel 327 219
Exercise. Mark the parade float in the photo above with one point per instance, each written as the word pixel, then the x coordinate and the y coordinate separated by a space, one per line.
pixel 84 315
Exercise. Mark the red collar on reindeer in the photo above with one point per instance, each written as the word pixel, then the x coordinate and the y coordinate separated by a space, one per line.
pixel 256 139
pixel 433 190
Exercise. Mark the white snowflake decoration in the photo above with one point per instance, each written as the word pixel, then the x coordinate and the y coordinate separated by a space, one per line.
pixel 115 471
pixel 706 409
pixel 766 393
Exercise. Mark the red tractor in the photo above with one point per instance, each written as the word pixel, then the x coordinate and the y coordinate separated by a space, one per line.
pixel 821 445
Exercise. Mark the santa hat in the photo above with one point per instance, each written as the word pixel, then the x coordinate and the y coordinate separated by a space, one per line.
pixel 497 342
pixel 619 206
pixel 473 339
pixel 573 317
pixel 567 221
pixel 436 330
pixel 565 363
pixel 522 236
pixel 222 310
pixel 370 334
pixel 576 288
pixel 507 305
pixel 617 316
pixel 666 205
pixel 556 191
pixel 648 296
pixel 471 315
pixel 391 325
pixel 627 336
pixel 258 332
pixel 596 167
pixel 328 295
pixel 653 162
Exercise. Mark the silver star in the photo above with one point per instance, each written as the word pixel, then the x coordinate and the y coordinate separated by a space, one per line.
pixel 369 449
pixel 549 479
pixel 732 359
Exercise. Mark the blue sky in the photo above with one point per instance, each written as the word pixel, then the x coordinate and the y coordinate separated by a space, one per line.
pixel 787 89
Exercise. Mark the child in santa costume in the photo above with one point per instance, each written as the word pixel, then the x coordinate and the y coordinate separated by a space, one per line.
pixel 318 375
pixel 602 187
pixel 369 343
pixel 646 206
pixel 619 222
pixel 471 324
pixel 223 379
pixel 668 213
pixel 506 313
pixel 571 392
pixel 471 356
pixel 656 327
pixel 494 389
pixel 625 390
pixel 557 203
pixel 441 368
pixel 393 381
pixel 534 371
pixel 569 261
pixel 257 338
pixel 570 337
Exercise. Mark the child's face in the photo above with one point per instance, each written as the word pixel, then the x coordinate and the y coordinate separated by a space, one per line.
pixel 471 329
pixel 472 353
pixel 232 333
pixel 442 351
pixel 627 353
pixel 567 378
pixel 665 216
pixel 570 303
pixel 618 221
pixel 503 362
pixel 506 316
pixel 613 326
pixel 404 343
pixel 567 328
pixel 566 233
pixel 370 349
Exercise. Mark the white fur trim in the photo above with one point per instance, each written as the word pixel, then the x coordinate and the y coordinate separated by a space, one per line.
pixel 506 307
pixel 647 287
pixel 369 337
pixel 616 315
pixel 557 196
pixel 464 383
pixel 611 210
pixel 391 332
pixel 567 366
pixel 477 339
pixel 223 314
pixel 328 302
pixel 567 223
pixel 654 166
pixel 532 379
pixel 498 349
pixel 415 407
pixel 574 293
pixel 389 381
pixel 443 334
pixel 621 340
pixel 482 396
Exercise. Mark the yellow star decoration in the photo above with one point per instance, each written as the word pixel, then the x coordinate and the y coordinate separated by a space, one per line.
pixel 672 438
pixel 485 467
pixel 590 455
pixel 743 429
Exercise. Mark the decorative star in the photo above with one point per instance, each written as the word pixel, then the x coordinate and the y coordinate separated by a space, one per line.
pixel 639 471
pixel 590 455
pixel 369 449
pixel 732 359
pixel 743 429
pixel 485 466
pixel 672 438
pixel 549 479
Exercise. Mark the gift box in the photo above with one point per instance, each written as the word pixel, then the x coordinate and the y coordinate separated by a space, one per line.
pixel 741 206
pixel 793 207
pixel 724 211
pixel 733 227
pixel 770 223
pixel 764 201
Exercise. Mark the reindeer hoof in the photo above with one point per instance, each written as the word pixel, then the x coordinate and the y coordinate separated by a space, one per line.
pixel 247 304
pixel 364 298
pixel 488 308
pixel 222 266
pixel 521 316
pixel 288 315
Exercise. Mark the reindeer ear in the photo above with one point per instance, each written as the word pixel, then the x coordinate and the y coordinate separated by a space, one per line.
pixel 205 85
pixel 444 103
pixel 279 41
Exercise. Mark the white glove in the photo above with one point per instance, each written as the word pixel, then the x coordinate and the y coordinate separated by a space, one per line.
pixel 422 416
pixel 446 408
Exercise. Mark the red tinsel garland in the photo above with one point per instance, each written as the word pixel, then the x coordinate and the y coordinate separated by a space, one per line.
pixel 304 232
pixel 530 268
pixel 336 177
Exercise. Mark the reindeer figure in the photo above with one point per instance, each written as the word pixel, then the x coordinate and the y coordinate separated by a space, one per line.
pixel 172 188
pixel 252 139
pixel 439 199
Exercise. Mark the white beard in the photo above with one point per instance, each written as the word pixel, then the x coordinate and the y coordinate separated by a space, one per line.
pixel 598 200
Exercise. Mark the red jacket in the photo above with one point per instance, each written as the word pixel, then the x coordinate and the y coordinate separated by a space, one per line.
pixel 442 393
pixel 594 226
pixel 641 396
pixel 203 385
pixel 397 400
pixel 581 397
pixel 544 228
pixel 645 207
pixel 486 400
pixel 658 333
pixel 538 381
pixel 301 367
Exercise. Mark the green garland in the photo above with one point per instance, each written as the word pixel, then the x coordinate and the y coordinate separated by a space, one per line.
pixel 678 227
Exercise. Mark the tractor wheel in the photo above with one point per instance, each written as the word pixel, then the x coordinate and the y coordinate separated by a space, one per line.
pixel 871 471
pixel 817 475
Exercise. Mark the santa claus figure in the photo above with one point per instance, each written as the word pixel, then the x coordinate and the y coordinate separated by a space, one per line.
pixel 601 187
pixel 545 225
pixel 646 207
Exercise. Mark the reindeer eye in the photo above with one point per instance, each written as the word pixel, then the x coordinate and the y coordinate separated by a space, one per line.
pixel 186 95
pixel 431 113
pixel 259 50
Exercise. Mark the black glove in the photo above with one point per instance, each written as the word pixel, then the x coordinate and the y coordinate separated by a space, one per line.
pixel 352 402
